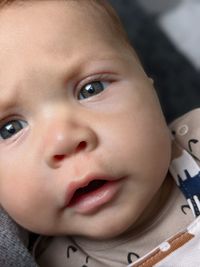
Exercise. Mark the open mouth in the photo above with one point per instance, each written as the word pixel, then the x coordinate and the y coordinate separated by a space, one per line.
pixel 83 191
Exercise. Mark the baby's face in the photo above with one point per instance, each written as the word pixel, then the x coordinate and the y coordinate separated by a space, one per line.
pixel 76 110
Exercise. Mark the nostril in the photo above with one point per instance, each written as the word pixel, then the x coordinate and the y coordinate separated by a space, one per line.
pixel 59 157
pixel 82 145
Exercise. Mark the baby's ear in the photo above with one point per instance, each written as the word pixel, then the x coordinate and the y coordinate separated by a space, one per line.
pixel 151 80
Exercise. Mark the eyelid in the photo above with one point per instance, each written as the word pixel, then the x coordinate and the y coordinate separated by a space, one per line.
pixel 103 77
pixel 7 119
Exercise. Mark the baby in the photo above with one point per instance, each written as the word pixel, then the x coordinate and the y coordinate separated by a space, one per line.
pixel 85 149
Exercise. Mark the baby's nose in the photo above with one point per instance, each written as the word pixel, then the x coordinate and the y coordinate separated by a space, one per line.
pixel 65 141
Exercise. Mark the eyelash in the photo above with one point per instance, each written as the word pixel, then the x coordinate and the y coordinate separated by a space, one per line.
pixel 105 77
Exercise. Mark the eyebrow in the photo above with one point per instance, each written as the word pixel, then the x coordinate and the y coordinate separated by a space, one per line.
pixel 9 100
pixel 91 61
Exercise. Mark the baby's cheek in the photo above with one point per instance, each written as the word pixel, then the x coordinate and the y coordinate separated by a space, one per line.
pixel 15 198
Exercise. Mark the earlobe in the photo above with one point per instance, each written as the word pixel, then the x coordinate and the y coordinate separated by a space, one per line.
pixel 151 80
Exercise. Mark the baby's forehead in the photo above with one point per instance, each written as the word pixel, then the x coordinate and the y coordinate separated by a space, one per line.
pixel 99 11
pixel 28 21
pixel 27 33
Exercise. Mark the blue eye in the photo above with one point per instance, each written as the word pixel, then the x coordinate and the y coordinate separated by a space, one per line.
pixel 91 89
pixel 11 128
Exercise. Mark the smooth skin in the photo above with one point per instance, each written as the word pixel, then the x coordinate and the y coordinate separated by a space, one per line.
pixel 54 133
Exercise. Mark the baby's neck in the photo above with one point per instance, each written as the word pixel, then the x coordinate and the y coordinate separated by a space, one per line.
pixel 155 207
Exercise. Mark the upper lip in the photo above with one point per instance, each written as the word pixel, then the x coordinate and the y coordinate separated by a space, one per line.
pixel 75 185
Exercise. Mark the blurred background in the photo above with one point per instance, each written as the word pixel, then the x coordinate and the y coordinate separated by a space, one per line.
pixel 166 36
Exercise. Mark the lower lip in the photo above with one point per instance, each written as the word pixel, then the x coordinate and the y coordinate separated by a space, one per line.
pixel 91 202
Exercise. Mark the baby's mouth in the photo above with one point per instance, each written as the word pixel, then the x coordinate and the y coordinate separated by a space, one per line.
pixel 92 194
pixel 86 190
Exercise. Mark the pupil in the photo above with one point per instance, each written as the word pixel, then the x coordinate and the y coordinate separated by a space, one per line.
pixel 10 129
pixel 90 89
